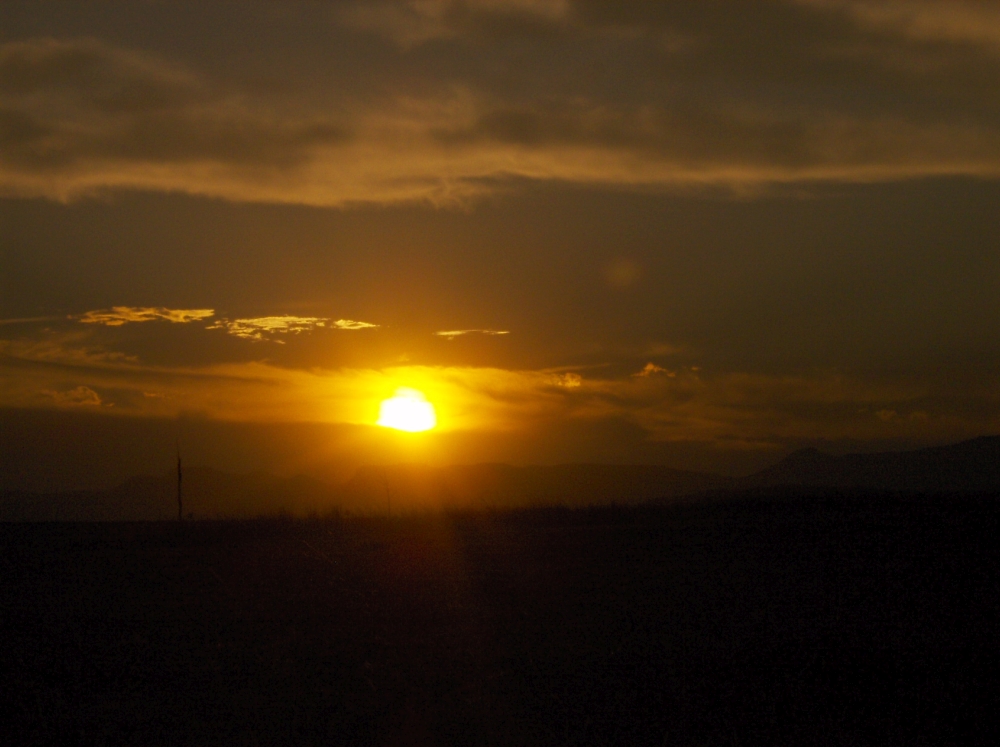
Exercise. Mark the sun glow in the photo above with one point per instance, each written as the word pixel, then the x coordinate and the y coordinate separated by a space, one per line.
pixel 408 410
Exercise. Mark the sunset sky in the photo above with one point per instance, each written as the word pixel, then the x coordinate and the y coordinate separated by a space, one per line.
pixel 699 234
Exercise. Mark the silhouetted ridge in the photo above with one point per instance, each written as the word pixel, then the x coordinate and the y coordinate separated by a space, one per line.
pixel 970 465
pixel 208 493
pixel 805 456
pixel 505 486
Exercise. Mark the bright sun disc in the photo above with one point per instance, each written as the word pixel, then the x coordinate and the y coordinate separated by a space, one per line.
pixel 408 410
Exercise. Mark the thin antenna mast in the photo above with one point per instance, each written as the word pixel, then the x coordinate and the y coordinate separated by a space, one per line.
pixel 388 494
pixel 180 497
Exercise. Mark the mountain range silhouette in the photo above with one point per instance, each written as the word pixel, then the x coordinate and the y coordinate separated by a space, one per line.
pixel 967 466
pixel 970 466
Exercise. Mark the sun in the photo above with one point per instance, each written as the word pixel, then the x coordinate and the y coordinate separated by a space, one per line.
pixel 407 410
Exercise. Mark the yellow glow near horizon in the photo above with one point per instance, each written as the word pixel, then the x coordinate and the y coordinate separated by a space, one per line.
pixel 408 410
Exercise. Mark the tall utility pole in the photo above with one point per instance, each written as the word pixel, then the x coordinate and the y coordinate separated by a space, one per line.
pixel 180 499
pixel 388 494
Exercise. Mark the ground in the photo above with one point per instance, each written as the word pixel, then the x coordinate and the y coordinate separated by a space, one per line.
pixel 779 619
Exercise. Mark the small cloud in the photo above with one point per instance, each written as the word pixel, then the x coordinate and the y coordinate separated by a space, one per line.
pixel 886 415
pixel 352 324
pixel 265 327
pixel 82 395
pixel 451 334
pixel 650 369
pixel 568 380
pixel 116 316
pixel 257 327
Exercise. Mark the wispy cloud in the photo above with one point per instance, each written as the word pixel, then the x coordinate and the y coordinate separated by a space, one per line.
pixel 30 320
pixel 352 324
pixel 80 396
pixel 727 409
pixel 259 328
pixel 567 380
pixel 80 115
pixel 841 92
pixel 65 349
pixel 962 21
pixel 412 22
pixel 119 315
pixel 266 327
pixel 651 369
pixel 451 334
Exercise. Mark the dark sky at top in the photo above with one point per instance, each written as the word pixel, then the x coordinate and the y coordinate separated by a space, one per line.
pixel 700 233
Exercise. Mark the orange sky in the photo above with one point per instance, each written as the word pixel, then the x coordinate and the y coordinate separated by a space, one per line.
pixel 724 229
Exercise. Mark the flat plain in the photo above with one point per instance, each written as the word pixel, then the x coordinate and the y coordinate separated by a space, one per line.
pixel 760 618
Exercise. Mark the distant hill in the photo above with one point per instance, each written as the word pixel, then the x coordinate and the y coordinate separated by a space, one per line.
pixel 208 493
pixel 505 486
pixel 970 465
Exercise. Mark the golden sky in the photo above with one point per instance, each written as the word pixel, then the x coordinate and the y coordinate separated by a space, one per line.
pixel 723 228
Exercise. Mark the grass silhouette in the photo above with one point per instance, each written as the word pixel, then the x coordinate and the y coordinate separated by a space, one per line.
pixel 766 618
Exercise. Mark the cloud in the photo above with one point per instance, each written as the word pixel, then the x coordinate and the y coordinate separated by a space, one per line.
pixel 724 409
pixel 352 324
pixel 961 21
pixel 651 369
pixel 260 327
pixel 265 327
pixel 568 380
pixel 257 328
pixel 412 22
pixel 79 115
pixel 451 334
pixel 799 91
pixel 30 320
pixel 64 349
pixel 81 396
pixel 119 315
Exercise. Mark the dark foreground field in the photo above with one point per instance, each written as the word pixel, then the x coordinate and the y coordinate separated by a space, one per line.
pixel 833 620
